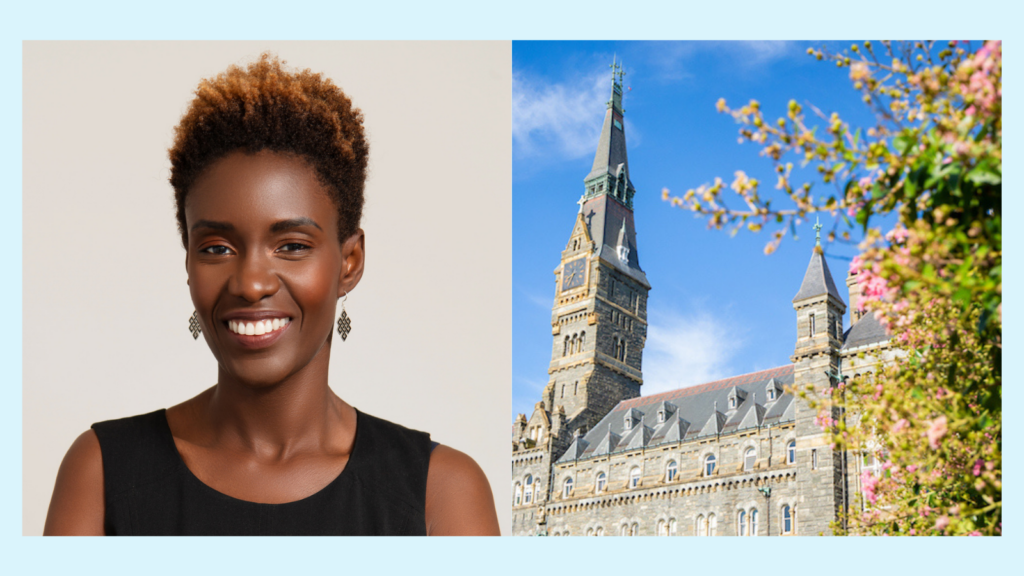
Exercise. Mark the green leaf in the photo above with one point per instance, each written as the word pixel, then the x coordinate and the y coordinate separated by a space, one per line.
pixel 962 296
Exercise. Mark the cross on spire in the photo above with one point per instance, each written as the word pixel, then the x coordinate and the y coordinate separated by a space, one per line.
pixel 617 71
pixel 817 232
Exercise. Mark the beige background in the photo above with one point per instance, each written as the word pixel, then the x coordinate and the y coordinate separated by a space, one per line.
pixel 105 302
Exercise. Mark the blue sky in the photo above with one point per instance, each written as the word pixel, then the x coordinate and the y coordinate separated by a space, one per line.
pixel 718 306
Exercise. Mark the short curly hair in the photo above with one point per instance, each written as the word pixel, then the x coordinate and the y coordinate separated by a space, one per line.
pixel 268 107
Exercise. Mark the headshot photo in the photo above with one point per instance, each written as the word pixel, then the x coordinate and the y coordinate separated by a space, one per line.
pixel 266 288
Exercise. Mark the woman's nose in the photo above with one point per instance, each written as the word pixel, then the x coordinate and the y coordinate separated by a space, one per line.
pixel 255 278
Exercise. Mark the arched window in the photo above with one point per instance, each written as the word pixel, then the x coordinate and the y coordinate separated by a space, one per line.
pixel 787 519
pixel 810 318
pixel 634 530
pixel 624 530
pixel 634 477
pixel 712 525
pixel 617 345
pixel 709 465
pixel 753 522
pixel 623 357
pixel 533 433
pixel 565 347
pixel 602 481
pixel 567 487
pixel 590 531
pixel 672 527
pixel 702 525
pixel 528 495
pixel 574 345
pixel 741 523
pixel 583 340
pixel 599 531
pixel 662 528
pixel 671 470
pixel 563 390
pixel 517 497
pixel 749 458
pixel 791 452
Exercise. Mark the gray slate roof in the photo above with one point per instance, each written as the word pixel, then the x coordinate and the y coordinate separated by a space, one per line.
pixel 866 331
pixel 611 148
pixel 690 413
pixel 605 216
pixel 817 279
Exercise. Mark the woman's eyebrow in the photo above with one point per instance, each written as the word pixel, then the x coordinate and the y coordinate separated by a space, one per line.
pixel 283 225
pixel 224 226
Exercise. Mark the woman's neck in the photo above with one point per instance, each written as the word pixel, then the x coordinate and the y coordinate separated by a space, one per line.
pixel 298 415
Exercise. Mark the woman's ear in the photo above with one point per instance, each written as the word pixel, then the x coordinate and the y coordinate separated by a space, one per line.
pixel 353 256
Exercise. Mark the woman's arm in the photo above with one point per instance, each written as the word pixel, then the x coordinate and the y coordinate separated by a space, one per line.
pixel 77 506
pixel 459 498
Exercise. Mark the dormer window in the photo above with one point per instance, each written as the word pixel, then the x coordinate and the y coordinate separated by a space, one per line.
pixel 627 422
pixel 771 393
pixel 732 402
pixel 661 416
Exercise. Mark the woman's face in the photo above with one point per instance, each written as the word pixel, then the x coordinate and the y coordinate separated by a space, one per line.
pixel 265 266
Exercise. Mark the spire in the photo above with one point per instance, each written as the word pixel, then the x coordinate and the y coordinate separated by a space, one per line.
pixel 817 279
pixel 607 202
pixel 610 171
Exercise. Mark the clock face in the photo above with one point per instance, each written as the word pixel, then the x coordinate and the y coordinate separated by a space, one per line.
pixel 573 273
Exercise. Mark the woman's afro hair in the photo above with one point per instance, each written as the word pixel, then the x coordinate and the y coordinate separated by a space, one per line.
pixel 268 107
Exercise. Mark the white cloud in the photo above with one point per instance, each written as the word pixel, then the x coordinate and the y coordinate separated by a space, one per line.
pixel 542 302
pixel 760 52
pixel 561 120
pixel 683 350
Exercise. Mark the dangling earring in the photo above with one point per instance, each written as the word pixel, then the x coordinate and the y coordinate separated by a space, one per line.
pixel 344 322
pixel 193 325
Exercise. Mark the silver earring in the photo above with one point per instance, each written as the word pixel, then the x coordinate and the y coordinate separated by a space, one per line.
pixel 344 322
pixel 193 325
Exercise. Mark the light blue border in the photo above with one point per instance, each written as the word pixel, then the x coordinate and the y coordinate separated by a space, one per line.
pixel 451 19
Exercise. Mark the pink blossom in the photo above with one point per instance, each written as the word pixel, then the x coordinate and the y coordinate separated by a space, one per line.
pixel 977 467
pixel 868 483
pixel 941 522
pixel 900 425
pixel 911 468
pixel 975 533
pixel 936 431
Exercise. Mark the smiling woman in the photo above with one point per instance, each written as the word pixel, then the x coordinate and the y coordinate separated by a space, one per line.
pixel 268 168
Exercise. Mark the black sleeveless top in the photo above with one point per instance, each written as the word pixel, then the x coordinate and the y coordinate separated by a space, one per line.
pixel 149 490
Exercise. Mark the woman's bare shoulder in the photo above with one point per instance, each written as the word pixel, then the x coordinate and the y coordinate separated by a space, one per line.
pixel 459 498
pixel 77 504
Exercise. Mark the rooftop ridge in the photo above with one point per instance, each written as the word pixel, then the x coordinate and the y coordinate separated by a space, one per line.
pixel 759 376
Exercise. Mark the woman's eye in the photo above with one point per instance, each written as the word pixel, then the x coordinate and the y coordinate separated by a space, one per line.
pixel 293 247
pixel 216 250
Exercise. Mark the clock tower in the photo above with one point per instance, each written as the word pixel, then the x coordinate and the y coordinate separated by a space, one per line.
pixel 599 317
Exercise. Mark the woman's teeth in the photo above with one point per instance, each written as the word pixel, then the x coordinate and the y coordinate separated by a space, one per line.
pixel 257 328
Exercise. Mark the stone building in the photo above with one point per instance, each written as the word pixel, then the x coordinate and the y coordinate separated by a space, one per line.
pixel 739 456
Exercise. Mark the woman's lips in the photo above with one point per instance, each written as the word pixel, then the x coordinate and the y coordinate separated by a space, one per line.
pixel 257 333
